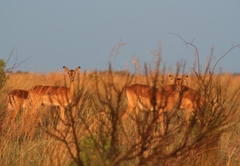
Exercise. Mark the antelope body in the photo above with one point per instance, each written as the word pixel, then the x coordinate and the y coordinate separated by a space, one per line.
pixel 54 96
pixel 17 99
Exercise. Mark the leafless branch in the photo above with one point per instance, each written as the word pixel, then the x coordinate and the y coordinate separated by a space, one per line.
pixel 16 64
pixel 199 69
pixel 233 46
pixel 115 51
pixel 195 47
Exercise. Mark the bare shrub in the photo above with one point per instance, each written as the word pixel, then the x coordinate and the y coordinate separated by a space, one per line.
pixel 95 134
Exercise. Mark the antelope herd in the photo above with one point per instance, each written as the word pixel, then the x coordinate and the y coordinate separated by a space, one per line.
pixel 139 97
pixel 177 95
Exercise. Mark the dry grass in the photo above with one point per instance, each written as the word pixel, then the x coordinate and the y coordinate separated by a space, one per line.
pixel 95 135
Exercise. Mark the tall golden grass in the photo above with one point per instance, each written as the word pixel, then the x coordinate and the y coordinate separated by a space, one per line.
pixel 95 135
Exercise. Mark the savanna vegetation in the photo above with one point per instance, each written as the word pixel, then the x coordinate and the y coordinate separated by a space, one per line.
pixel 94 133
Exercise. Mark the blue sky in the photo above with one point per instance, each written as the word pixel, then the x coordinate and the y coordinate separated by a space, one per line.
pixel 72 33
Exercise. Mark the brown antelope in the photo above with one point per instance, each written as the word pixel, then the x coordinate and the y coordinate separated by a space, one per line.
pixel 16 99
pixel 54 96
pixel 176 95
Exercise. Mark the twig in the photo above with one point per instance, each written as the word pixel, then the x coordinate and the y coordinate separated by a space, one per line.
pixel 15 65
pixel 238 45
pixel 191 44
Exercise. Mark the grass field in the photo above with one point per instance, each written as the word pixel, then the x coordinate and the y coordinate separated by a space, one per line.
pixel 95 135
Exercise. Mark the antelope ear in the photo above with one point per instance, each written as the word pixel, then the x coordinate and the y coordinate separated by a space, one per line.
pixel 186 76
pixel 171 77
pixel 65 69
pixel 79 67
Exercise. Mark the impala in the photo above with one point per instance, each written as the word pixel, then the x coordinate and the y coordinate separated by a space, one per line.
pixel 52 95
pixel 148 98
pixel 16 99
